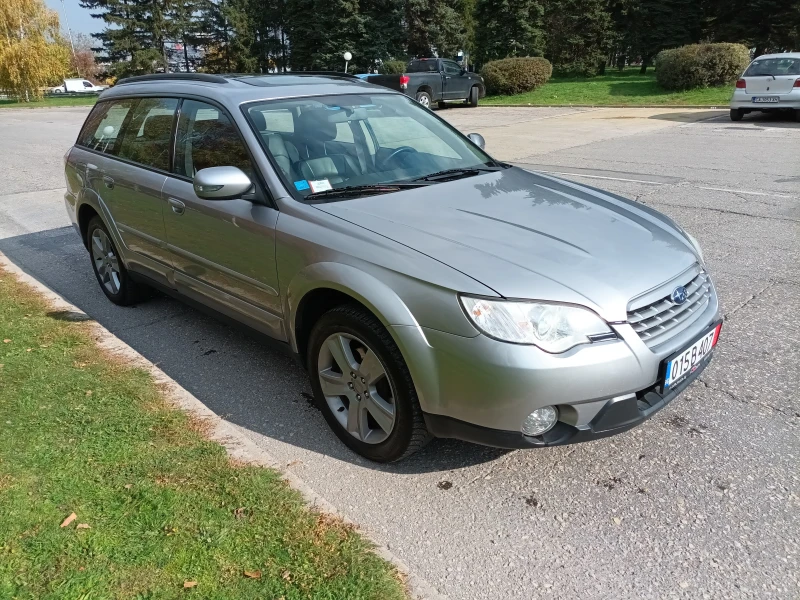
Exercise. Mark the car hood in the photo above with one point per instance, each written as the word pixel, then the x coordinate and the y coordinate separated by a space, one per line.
pixel 527 235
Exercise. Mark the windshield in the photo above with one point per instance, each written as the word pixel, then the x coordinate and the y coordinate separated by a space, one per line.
pixel 326 143
pixel 773 66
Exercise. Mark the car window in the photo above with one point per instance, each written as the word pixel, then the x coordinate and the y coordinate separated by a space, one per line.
pixel 343 133
pixel 773 66
pixel 396 131
pixel 451 68
pixel 147 133
pixel 102 127
pixel 423 66
pixel 87 84
pixel 207 138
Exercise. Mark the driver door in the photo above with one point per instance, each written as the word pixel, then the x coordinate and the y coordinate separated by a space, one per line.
pixel 456 82
pixel 223 250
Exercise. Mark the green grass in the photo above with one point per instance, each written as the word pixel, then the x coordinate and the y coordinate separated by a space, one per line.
pixel 81 433
pixel 626 87
pixel 50 101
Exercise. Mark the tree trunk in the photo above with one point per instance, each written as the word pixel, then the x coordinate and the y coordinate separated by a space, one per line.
pixel 185 54
pixel 645 64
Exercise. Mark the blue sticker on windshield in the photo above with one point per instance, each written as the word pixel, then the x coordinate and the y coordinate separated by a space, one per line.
pixel 301 185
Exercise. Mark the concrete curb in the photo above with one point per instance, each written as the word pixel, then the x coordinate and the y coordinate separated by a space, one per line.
pixel 238 446
pixel 670 106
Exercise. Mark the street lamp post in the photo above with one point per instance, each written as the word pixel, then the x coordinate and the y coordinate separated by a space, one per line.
pixel 347 58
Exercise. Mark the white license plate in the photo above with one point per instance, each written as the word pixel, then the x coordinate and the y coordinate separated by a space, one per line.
pixel 758 99
pixel 688 360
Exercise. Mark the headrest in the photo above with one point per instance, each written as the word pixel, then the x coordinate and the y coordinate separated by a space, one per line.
pixel 275 144
pixel 314 124
pixel 157 127
pixel 258 119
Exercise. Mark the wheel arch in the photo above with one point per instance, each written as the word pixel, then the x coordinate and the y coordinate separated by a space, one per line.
pixel 425 88
pixel 320 287
pixel 86 212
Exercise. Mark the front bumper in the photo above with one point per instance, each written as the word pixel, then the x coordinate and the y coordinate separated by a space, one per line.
pixel 615 416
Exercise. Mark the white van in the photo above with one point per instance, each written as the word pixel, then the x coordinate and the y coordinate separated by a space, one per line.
pixel 78 85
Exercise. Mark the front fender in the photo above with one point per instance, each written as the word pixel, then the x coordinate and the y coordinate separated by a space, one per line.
pixel 383 302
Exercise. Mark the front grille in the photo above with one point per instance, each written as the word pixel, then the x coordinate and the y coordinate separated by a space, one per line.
pixel 659 321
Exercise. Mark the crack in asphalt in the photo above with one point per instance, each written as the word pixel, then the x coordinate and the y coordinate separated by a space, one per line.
pixel 734 212
pixel 733 396
pixel 752 297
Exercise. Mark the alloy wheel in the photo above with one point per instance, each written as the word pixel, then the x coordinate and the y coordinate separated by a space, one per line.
pixel 357 388
pixel 105 261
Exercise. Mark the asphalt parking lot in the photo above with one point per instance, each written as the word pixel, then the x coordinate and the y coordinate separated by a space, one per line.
pixel 700 502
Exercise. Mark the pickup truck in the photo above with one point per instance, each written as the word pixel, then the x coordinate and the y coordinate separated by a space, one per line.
pixel 430 80
pixel 78 86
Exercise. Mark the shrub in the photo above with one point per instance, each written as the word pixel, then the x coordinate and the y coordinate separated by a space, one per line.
pixel 700 65
pixel 393 67
pixel 516 75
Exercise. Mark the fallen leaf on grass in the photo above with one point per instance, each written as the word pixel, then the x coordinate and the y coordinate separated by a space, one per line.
pixel 88 392
pixel 128 486
pixel 189 584
pixel 253 574
pixel 29 350
pixel 69 520
pixel 6 341
pixel 286 575
pixel 83 526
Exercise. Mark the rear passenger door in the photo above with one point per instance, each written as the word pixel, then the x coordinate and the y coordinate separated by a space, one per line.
pixel 456 82
pixel 223 250
pixel 133 144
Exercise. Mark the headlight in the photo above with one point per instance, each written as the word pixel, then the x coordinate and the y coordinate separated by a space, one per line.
pixel 696 246
pixel 552 327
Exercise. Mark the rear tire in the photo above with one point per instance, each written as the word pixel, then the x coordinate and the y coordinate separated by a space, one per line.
pixel 737 114
pixel 111 274
pixel 352 336
pixel 424 98
pixel 474 94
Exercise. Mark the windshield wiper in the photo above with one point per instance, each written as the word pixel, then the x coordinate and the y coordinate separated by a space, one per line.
pixel 456 173
pixel 363 190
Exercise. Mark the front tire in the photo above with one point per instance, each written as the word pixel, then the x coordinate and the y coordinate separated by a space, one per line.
pixel 474 94
pixel 737 114
pixel 111 274
pixel 363 387
pixel 424 98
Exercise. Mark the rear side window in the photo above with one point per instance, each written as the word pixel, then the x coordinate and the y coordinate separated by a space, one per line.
pixel 147 134
pixel 207 138
pixel 423 66
pixel 101 130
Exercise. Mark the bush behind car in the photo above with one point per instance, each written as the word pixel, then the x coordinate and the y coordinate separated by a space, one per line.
pixel 516 75
pixel 701 65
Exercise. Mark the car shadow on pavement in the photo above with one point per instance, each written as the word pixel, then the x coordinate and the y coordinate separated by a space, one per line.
pixel 234 372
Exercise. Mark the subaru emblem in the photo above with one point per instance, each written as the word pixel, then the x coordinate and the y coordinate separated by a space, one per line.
pixel 679 295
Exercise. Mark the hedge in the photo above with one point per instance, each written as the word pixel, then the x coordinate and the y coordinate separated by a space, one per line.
pixel 393 67
pixel 516 75
pixel 700 65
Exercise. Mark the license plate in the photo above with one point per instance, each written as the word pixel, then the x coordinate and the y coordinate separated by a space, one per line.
pixel 686 362
pixel 758 99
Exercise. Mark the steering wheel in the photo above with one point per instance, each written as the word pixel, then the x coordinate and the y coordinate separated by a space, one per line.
pixel 396 153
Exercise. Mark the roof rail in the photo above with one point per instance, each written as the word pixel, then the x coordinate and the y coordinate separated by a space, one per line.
pixel 328 73
pixel 207 77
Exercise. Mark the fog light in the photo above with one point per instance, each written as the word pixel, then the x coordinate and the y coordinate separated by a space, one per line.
pixel 540 421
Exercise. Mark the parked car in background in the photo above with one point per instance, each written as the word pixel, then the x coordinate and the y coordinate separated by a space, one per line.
pixel 429 289
pixel 78 86
pixel 430 80
pixel 770 83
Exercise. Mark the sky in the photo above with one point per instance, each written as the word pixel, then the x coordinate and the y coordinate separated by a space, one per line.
pixel 80 19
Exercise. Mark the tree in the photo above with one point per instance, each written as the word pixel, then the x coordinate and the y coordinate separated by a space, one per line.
pixel 579 35
pixel 320 31
pixel 654 25
pixel 32 54
pixel 764 25
pixel 434 27
pixel 508 28
pixel 384 34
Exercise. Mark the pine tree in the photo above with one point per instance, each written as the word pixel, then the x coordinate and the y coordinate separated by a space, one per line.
pixel 579 35
pixel 658 24
pixel 384 33
pixel 435 27
pixel 320 31
pixel 508 28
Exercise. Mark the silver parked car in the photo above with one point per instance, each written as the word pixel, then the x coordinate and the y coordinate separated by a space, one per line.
pixel 770 83
pixel 429 289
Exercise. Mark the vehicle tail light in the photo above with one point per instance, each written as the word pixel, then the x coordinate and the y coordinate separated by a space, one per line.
pixel 741 84
pixel 404 79
pixel 797 83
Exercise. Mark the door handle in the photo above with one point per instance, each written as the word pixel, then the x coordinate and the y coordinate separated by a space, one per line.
pixel 178 207
pixel 109 182
pixel 447 77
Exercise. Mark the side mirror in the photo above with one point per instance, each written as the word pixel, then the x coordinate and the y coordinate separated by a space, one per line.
pixel 221 183
pixel 477 139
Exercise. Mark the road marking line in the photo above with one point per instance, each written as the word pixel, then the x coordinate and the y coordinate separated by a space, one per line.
pixel 602 177
pixel 716 189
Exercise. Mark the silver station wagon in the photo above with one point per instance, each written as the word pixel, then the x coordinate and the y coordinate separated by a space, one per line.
pixel 429 289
